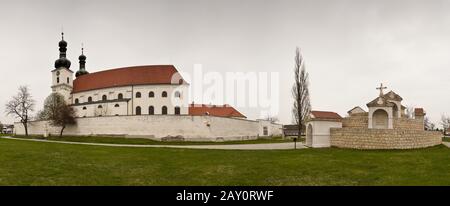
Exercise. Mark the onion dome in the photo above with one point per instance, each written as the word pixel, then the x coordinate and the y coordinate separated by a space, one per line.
pixel 82 70
pixel 62 61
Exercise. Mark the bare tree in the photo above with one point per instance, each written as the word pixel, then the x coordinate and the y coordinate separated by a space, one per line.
pixel 428 124
pixel 272 119
pixel 20 106
pixel 409 112
pixel 58 112
pixel 445 122
pixel 300 93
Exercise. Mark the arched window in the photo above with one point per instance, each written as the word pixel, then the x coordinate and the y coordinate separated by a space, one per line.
pixel 177 94
pixel 67 80
pixel 138 110
pixel 177 110
pixel 138 95
pixel 89 99
pixel 57 80
pixel 117 105
pixel 104 98
pixel 151 110
pixel 100 107
pixel 84 108
pixel 151 94
pixel 77 101
pixel 164 110
pixel 164 94
pixel 120 96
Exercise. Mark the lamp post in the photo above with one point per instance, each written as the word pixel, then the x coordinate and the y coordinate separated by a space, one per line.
pixel 295 142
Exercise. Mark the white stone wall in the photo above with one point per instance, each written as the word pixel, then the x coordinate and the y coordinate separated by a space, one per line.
pixel 191 128
pixel 272 129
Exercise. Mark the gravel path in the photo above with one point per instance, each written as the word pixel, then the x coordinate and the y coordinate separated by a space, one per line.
pixel 446 144
pixel 272 146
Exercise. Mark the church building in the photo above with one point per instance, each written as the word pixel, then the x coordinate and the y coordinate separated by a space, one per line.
pixel 142 101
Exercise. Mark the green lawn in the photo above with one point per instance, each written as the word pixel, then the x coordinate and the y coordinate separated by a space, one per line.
pixel 38 163
pixel 446 139
pixel 140 141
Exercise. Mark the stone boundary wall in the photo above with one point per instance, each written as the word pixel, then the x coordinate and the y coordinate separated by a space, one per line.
pixel 363 138
pixel 362 121
pixel 189 128
pixel 356 121
pixel 406 123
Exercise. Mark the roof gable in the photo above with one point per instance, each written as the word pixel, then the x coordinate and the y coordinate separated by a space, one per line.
pixel 325 115
pixel 380 102
pixel 392 96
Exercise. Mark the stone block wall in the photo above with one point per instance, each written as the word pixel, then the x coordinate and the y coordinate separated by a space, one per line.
pixel 363 138
pixel 361 121
pixel 406 123
pixel 356 121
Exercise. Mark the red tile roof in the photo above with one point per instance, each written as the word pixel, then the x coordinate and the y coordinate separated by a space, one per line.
pixel 138 75
pixel 214 110
pixel 325 115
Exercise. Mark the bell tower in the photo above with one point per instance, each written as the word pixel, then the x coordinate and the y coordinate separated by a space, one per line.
pixel 62 76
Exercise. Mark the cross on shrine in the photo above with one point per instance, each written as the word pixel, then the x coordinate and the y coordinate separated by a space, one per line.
pixel 381 89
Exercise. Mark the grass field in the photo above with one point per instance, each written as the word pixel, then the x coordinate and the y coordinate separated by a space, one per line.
pixel 37 163
pixel 141 141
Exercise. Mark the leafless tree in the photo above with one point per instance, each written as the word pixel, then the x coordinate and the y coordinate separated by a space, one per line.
pixel 20 106
pixel 428 124
pixel 445 122
pixel 300 93
pixel 409 112
pixel 58 112
pixel 272 119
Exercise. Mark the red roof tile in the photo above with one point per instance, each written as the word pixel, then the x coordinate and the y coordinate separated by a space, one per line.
pixel 214 110
pixel 138 75
pixel 325 115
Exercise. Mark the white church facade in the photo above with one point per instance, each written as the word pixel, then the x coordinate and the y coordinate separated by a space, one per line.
pixel 142 101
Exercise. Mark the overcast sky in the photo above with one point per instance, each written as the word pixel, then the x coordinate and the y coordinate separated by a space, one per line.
pixel 349 46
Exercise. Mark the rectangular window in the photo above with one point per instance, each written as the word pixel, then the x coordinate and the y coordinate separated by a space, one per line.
pixel 265 131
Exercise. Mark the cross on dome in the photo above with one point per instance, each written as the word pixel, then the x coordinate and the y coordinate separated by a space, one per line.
pixel 381 89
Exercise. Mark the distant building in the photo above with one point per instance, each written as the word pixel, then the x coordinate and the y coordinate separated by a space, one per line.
pixel 7 129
